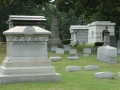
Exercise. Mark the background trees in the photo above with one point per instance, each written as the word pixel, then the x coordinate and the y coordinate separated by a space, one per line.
pixel 69 12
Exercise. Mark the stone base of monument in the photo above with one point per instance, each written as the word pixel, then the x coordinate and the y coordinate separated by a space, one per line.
pixel 27 57
pixel 21 71
pixel 55 42
pixel 5 79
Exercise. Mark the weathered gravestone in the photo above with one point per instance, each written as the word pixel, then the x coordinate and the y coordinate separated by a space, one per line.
pixel 57 58
pixel 86 51
pixel 22 20
pixel 27 59
pixel 104 75
pixel 113 41
pixel 67 47
pixel 53 48
pixel 91 67
pixel 59 51
pixel 107 54
pixel 73 54
pixel 73 68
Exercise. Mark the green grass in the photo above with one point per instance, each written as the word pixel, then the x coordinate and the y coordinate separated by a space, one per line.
pixel 81 80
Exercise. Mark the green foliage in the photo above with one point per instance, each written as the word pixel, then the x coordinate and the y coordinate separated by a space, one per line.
pixel 65 20
pixel 98 43
pixel 65 41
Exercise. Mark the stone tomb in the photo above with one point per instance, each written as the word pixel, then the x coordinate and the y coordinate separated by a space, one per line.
pixel 27 59
pixel 107 54
pixel 21 20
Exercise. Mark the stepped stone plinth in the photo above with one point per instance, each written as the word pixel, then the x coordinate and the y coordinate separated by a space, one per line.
pixel 27 58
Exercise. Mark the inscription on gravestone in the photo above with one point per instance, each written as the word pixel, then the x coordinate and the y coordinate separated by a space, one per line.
pixel 28 49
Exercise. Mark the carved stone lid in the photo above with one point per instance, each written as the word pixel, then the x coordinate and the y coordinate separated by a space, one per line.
pixel 26 30
pixel 29 18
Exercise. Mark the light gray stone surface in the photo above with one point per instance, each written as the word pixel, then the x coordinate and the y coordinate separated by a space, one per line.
pixel 67 47
pixel 87 50
pixel 95 30
pixel 27 59
pixel 107 54
pixel 118 74
pixel 73 68
pixel 104 75
pixel 73 58
pixel 73 51
pixel 91 67
pixel 53 48
pixel 59 51
pixel 58 58
pixel 73 54
pixel 79 34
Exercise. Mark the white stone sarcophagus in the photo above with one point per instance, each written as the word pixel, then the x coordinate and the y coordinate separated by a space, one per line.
pixel 27 58
pixel 107 54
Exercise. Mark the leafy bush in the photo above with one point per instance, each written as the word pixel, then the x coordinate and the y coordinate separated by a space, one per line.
pixel 65 41
pixel 98 43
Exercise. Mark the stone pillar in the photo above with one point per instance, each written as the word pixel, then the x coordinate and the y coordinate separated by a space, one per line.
pixel 74 36
pixel 27 57
pixel 106 36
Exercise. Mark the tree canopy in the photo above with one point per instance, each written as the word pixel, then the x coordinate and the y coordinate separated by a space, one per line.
pixel 92 9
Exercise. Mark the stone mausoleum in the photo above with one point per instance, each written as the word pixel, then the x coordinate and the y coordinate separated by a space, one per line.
pixel 90 33
pixel 27 57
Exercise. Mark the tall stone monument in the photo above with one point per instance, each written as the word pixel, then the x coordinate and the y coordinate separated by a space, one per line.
pixel 54 39
pixel 27 58
pixel 22 20
pixel 106 36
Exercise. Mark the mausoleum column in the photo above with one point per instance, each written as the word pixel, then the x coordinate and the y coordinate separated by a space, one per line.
pixel 75 36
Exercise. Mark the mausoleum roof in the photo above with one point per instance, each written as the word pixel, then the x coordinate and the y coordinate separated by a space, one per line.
pixel 72 27
pixel 26 30
pixel 29 18
pixel 107 23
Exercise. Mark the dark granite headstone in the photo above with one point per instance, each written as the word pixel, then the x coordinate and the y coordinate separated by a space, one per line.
pixel 113 41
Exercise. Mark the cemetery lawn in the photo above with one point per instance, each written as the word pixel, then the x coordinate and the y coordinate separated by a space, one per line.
pixel 81 80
